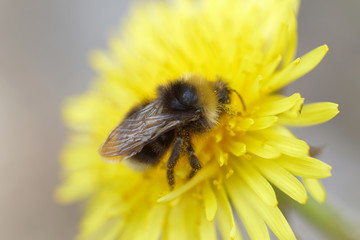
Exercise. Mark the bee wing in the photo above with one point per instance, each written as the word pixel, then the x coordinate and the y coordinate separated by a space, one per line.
pixel 140 128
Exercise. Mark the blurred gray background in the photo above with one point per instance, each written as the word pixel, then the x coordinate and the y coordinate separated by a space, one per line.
pixel 44 48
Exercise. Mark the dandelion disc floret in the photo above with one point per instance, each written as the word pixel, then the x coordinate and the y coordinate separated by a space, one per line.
pixel 245 151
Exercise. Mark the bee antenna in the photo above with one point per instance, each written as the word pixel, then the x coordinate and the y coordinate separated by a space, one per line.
pixel 241 99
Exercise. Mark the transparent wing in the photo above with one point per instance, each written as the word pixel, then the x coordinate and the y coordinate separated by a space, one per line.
pixel 141 127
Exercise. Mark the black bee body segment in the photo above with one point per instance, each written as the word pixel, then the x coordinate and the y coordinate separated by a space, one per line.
pixel 152 152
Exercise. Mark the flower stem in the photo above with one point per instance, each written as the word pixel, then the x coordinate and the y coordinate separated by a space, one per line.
pixel 327 219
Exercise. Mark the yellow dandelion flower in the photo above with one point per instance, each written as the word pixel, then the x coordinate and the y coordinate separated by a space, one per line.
pixel 250 45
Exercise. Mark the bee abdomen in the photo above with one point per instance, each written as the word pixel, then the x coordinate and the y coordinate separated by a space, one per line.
pixel 152 152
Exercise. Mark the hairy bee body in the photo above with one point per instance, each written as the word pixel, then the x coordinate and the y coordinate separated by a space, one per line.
pixel 152 152
pixel 187 105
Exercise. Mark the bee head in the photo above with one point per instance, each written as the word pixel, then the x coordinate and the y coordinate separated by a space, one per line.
pixel 222 91
pixel 179 96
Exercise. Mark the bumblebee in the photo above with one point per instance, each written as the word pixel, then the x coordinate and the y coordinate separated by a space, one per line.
pixel 188 105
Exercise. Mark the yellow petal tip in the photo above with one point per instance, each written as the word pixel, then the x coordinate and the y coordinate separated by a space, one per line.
pixel 325 47
pixel 304 200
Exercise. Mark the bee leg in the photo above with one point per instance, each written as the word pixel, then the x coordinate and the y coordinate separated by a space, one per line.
pixel 175 154
pixel 194 161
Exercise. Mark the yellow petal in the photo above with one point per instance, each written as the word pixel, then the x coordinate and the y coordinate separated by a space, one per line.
pixel 316 189
pixel 281 130
pixel 263 122
pixel 278 42
pixel 295 111
pixel 311 114
pixel 134 221
pixel 226 222
pixel 275 20
pixel 101 61
pixel 237 148
pixel 292 39
pixel 210 202
pixel 308 62
pixel 271 66
pixel 78 111
pixel 199 177
pixel 260 148
pixel 192 217
pixel 176 224
pixel 113 231
pixel 281 178
pixel 277 104
pixel 223 158
pixel 305 167
pixel 287 145
pixel 256 181
pixel 271 215
pixel 253 223
pixel 243 124
pixel 295 6
pixel 97 217
pixel 95 220
pixel 77 186
pixel 154 223
pixel 207 229
pixel 297 69
pixel 270 85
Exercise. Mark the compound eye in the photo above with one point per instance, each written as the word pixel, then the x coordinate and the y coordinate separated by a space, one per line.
pixel 186 95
